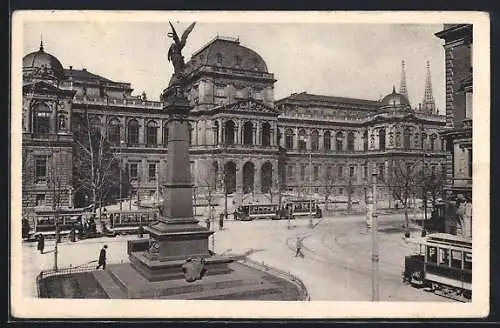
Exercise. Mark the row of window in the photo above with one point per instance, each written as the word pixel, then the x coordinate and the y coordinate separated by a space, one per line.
pixel 339 140
pixel 329 174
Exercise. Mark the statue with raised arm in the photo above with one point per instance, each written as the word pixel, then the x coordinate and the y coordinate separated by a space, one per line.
pixel 175 51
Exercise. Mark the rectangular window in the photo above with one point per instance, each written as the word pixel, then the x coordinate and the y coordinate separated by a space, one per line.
pixel 40 169
pixel 444 256
pixel 289 172
pixel 468 105
pixel 40 199
pixel 219 91
pixel 469 162
pixel 381 171
pixel 467 261
pixel 341 191
pixel 456 259
pixel 316 173
pixel 302 172
pixel 340 171
pixel 152 170
pixel 133 170
pixel 365 171
pixel 351 171
pixel 431 254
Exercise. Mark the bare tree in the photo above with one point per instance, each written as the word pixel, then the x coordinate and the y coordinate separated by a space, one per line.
pixel 95 166
pixel 329 188
pixel 402 182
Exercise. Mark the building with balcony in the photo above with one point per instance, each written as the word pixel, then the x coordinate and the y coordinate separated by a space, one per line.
pixel 241 139
pixel 458 133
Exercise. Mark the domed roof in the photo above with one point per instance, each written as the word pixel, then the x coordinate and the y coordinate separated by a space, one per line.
pixel 43 63
pixel 395 99
pixel 227 52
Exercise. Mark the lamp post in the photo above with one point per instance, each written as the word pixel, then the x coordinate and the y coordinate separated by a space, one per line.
pixel 374 227
pixel 424 187
pixel 120 178
pixel 304 139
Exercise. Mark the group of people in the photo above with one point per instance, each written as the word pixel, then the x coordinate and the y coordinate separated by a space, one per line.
pixel 221 222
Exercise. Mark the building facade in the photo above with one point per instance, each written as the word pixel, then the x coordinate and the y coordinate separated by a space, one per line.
pixel 242 140
pixel 458 133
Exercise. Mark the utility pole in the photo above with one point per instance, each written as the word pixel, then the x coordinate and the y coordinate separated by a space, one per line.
pixel 120 169
pixel 424 189
pixel 374 227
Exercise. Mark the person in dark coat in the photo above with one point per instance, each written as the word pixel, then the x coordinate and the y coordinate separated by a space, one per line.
pixel 221 222
pixel 102 258
pixel 41 243
pixel 207 222
pixel 25 228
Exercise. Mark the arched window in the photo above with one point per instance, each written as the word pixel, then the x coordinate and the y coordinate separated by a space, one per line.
pixel 151 134
pixel 133 133
pixel 289 139
pixel 327 137
pixel 302 139
pixel 365 140
pixel 62 122
pixel 398 139
pixel 42 119
pixel 266 134
pixel 229 133
pixel 339 141
pixel 114 131
pixel 350 141
pixel 407 139
pixel 381 139
pixel 424 141
pixel 248 133
pixel 165 134
pixel 314 140
pixel 215 132
pixel 95 125
pixel 433 141
pixel 417 140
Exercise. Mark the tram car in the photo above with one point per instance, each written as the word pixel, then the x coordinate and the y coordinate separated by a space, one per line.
pixel 257 211
pixel 442 264
pixel 128 222
pixel 303 208
pixel 45 221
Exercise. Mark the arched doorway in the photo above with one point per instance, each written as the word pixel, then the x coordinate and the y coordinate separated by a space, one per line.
pixel 248 133
pixel 248 177
pixel 266 177
pixel 230 177
pixel 229 133
pixel 266 134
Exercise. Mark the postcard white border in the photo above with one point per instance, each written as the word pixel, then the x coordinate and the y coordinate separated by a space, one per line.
pixel 68 308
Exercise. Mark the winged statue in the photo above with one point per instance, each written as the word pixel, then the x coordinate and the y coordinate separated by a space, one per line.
pixel 175 50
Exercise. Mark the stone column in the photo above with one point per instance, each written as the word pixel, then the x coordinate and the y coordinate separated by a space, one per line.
pixel 308 139
pixel 296 138
pixel 238 140
pixel 254 135
pixel 220 131
pixel 321 143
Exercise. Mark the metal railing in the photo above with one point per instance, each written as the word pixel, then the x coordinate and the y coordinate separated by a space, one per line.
pixel 303 292
pixel 62 272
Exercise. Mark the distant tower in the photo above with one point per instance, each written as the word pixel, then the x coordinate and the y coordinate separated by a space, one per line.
pixel 428 105
pixel 402 87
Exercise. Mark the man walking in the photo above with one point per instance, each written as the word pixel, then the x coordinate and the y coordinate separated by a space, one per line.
pixel 41 243
pixel 102 258
pixel 299 248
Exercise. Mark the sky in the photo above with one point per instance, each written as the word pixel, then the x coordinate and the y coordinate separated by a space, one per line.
pixel 336 59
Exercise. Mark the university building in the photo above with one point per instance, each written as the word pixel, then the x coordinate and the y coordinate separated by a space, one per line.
pixel 242 139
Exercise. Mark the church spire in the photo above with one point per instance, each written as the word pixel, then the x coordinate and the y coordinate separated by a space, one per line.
pixel 428 105
pixel 402 86
pixel 41 42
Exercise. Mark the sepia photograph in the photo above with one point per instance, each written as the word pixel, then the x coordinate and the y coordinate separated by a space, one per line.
pixel 314 165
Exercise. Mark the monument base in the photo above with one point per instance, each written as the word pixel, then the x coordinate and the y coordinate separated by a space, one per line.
pixel 124 281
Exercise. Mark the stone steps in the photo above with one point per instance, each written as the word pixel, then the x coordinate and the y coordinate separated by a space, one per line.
pixel 108 284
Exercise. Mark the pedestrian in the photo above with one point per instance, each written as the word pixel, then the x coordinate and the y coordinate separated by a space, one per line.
pixel 73 233
pixel 221 222
pixel 299 248
pixel 41 242
pixel 207 222
pixel 140 231
pixel 102 258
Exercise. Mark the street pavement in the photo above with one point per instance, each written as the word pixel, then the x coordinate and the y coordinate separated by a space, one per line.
pixel 336 265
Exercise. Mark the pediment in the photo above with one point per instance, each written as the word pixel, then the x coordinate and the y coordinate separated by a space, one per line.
pixel 250 106
pixel 42 87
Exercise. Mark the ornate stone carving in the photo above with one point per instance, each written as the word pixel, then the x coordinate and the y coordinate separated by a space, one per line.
pixel 193 269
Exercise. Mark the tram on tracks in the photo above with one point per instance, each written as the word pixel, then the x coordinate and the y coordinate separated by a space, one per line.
pixel 303 207
pixel 292 209
pixel 129 222
pixel 45 223
pixel 442 264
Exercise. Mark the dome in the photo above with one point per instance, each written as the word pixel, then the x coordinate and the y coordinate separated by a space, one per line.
pixel 395 99
pixel 227 52
pixel 40 62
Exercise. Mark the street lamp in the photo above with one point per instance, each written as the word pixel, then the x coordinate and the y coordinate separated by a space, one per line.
pixel 120 172
pixel 304 139
pixel 374 227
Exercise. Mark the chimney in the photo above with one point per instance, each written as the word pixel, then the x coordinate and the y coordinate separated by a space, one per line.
pixel 70 68
pixel 84 69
